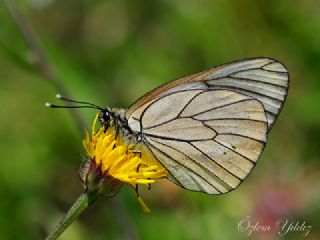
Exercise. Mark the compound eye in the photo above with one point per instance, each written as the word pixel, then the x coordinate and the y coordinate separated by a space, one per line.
pixel 106 116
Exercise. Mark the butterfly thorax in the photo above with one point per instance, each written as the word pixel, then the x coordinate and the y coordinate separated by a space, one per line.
pixel 115 118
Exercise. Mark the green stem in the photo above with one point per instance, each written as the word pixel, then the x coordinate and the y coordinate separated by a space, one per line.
pixel 84 200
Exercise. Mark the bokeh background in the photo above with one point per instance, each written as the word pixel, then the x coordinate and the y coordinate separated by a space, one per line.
pixel 111 53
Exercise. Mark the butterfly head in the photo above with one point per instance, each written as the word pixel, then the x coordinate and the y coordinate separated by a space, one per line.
pixel 106 117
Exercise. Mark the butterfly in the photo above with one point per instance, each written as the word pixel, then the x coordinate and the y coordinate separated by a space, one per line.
pixel 208 129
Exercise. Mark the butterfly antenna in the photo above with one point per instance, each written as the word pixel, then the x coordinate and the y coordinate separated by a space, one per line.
pixel 75 101
pixel 83 104
pixel 47 104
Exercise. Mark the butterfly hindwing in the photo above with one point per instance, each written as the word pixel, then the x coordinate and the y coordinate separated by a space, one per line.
pixel 209 141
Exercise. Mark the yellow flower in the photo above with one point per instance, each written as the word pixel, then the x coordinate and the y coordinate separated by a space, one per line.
pixel 112 161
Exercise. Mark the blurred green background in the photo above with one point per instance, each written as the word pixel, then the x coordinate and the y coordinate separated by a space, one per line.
pixel 111 53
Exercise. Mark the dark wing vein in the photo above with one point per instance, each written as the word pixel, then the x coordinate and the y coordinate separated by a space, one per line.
pixel 189 103
pixel 165 154
pixel 175 139
pixel 254 95
pixel 239 135
pixel 163 96
pixel 229 118
pixel 217 163
pixel 253 81
pixel 255 68
pixel 147 144
pixel 222 106
pixel 176 117
pixel 226 87
pixel 232 150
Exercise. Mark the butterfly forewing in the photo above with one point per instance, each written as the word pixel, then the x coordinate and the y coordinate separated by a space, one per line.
pixel 209 129
pixel 265 79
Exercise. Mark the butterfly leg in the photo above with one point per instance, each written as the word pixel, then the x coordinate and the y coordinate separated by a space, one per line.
pixel 139 153
pixel 136 188
pixel 135 152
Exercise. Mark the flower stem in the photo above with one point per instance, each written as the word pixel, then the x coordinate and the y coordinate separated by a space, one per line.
pixel 84 200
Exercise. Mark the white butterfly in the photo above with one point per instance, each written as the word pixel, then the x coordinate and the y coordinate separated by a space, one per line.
pixel 208 129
